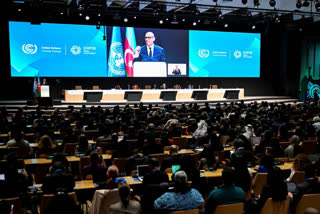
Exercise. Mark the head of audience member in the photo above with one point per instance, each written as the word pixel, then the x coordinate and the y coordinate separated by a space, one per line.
pixel 153 164
pixel 174 149
pixel 181 182
pixel 267 161
pixel 83 141
pixel 45 142
pixel 58 167
pixel 124 192
pixel 112 172
pixel 227 175
pixel 237 143
pixel 294 140
pixel 94 158
pixel 60 158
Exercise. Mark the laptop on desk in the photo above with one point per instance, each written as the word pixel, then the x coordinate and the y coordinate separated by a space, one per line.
pixel 142 170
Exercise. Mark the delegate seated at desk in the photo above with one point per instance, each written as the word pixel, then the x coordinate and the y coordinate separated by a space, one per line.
pixel 149 52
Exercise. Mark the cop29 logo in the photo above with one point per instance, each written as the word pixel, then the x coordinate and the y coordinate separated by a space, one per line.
pixel 75 50
pixel 29 48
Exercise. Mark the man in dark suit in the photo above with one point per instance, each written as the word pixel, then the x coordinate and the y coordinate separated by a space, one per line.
pixel 176 71
pixel 150 52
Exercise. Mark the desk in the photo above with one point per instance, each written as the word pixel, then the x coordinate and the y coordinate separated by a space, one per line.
pixel 148 94
pixel 35 161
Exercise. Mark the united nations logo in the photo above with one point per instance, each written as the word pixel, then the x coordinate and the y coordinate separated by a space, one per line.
pixel 237 54
pixel 116 62
pixel 203 53
pixel 29 48
pixel 75 50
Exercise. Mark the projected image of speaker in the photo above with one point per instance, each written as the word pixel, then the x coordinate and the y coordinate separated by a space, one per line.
pixel 45 101
pixel 168 95
pixel 200 95
pixel 133 95
pixel 92 96
pixel 231 94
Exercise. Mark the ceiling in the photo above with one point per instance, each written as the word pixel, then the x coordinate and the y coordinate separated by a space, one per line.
pixel 170 13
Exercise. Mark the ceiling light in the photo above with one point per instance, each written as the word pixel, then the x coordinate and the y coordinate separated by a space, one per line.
pixel 194 23
pixel 87 18
pixel 161 21
pixel 299 5
pixel 306 3
pixel 125 19
pixel 272 3
pixel 226 25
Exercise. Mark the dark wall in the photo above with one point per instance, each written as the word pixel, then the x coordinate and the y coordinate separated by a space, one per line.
pixel 280 65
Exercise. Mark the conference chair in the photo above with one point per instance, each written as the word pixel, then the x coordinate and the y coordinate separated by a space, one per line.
pixel 92 134
pixel 95 87
pixel 45 199
pixel 282 159
pixel 17 205
pixel 180 141
pixel 102 200
pixel 230 208
pixel 309 146
pixel 298 177
pixel 275 207
pixel 308 200
pixel 214 86
pixel 78 87
pixel 23 152
pixel 121 164
pixel 84 161
pixel 259 181
pixel 69 148
pixel 147 86
pixel 193 211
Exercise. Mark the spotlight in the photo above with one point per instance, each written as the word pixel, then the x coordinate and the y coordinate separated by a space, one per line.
pixel 125 19
pixel 253 27
pixel 87 18
pixel 194 23
pixel 299 5
pixel 226 25
pixel 272 3
pixel 244 1
pixel 160 21
pixel 306 3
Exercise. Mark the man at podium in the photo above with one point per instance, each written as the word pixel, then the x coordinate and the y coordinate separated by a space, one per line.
pixel 44 82
pixel 149 52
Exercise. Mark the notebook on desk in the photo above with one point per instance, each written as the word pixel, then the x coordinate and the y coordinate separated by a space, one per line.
pixel 142 170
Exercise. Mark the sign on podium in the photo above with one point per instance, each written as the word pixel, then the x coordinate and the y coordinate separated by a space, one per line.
pixel 150 69
pixel 45 91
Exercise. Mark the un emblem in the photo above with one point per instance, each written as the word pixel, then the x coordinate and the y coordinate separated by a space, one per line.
pixel 29 48
pixel 117 61
pixel 75 50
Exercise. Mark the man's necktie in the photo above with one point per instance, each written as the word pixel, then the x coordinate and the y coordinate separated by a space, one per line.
pixel 150 53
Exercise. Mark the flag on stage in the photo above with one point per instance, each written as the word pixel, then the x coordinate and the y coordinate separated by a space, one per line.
pixel 39 86
pixel 35 86
pixel 116 66
pixel 129 47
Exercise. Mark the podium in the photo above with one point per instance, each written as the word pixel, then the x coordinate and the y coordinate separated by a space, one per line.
pixel 150 69
pixel 133 95
pixel 45 91
pixel 168 95
pixel 200 95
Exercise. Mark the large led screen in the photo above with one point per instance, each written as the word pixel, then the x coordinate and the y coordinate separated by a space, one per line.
pixel 65 50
